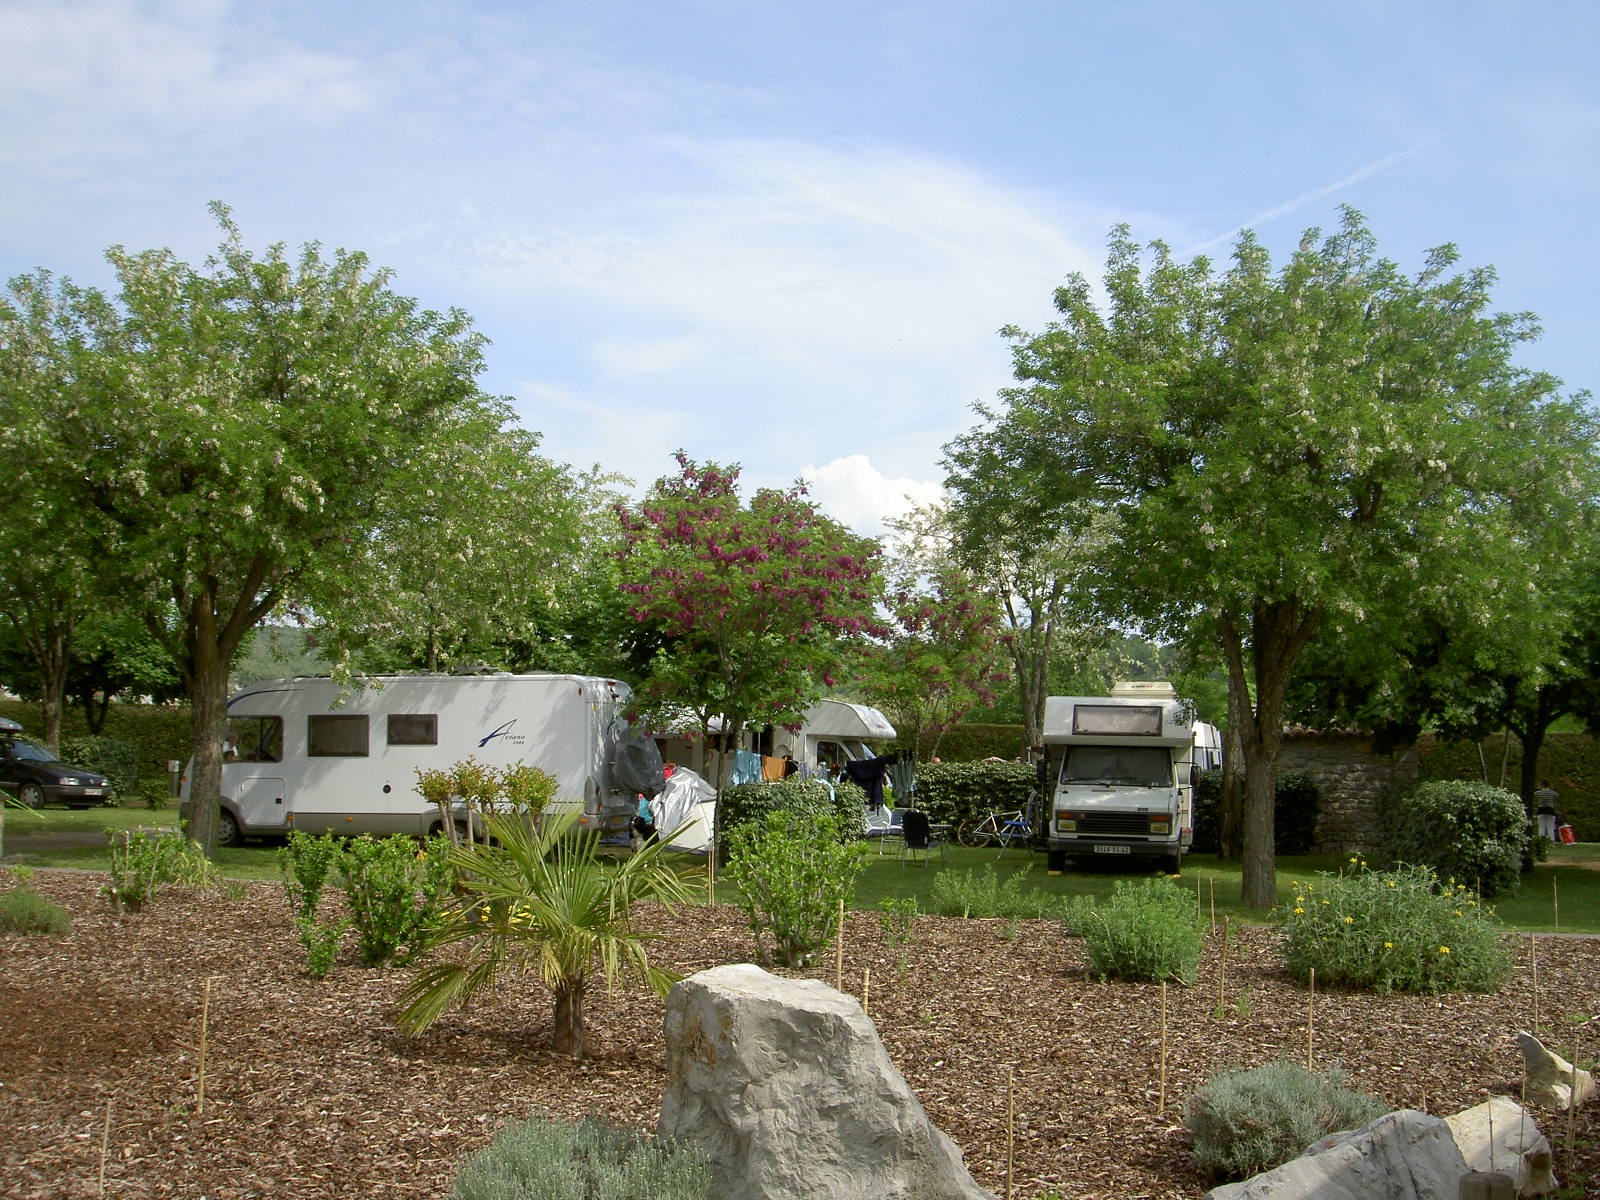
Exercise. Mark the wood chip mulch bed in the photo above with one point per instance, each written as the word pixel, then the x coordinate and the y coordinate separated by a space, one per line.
pixel 311 1092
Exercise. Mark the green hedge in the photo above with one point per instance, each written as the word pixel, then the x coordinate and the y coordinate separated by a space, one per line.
pixel 1294 822
pixel 1570 761
pixel 751 802
pixel 953 792
pixel 158 732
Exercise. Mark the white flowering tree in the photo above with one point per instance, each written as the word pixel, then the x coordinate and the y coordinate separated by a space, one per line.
pixel 1284 451
pixel 237 435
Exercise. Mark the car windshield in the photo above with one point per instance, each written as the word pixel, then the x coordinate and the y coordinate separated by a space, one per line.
pixel 26 751
pixel 1145 766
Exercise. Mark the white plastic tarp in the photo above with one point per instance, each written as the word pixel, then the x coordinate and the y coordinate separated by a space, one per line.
pixel 689 801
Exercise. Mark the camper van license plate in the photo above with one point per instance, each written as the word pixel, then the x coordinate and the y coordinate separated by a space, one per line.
pixel 1112 850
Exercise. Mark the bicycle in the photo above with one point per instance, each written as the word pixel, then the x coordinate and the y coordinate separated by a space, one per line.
pixel 1003 829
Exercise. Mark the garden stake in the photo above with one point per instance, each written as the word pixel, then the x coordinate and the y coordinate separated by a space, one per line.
pixel 200 1072
pixel 1555 899
pixel 1572 1098
pixel 1011 1124
pixel 1213 905
pixel 105 1139
pixel 1533 942
pixel 866 988
pixel 1222 974
pixel 1161 1096
pixel 838 952
pixel 1311 1011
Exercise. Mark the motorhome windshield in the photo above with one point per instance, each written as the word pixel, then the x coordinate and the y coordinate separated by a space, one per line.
pixel 1143 766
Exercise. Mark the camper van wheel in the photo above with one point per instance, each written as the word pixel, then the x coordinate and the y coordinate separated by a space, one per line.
pixel 1055 861
pixel 227 829
pixel 1173 864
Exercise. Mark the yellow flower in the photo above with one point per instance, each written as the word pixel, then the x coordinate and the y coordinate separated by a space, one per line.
pixel 1388 945
pixel 1458 912
pixel 1326 902
pixel 1299 899
pixel 1444 949
pixel 1349 920
pixel 1390 882
pixel 1299 910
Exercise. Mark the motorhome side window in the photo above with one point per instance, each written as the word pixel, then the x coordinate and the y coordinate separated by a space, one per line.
pixel 339 736
pixel 254 739
pixel 413 729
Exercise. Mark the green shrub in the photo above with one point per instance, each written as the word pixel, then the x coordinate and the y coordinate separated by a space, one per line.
pixel 1393 931
pixel 114 758
pixel 1294 821
pixel 750 803
pixel 952 793
pixel 396 892
pixel 898 917
pixel 966 743
pixel 1149 930
pixel 541 1159
pixel 1246 1122
pixel 982 893
pixel 311 860
pixel 1467 831
pixel 792 872
pixel 143 863
pixel 23 910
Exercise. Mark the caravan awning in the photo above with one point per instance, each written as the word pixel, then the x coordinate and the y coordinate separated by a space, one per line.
pixel 839 719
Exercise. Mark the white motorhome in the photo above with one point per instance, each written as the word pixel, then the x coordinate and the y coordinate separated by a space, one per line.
pixel 310 754
pixel 1118 774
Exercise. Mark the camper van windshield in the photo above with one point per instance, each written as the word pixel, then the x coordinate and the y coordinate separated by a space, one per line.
pixel 1144 766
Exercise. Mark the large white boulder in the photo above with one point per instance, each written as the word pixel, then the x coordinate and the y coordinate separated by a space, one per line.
pixel 1401 1156
pixel 785 1087
pixel 1498 1136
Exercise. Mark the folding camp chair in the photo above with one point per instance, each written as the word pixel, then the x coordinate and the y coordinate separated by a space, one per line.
pixel 917 836
pixel 894 831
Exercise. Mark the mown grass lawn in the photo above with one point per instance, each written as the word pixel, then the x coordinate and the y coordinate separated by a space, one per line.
pixel 1561 895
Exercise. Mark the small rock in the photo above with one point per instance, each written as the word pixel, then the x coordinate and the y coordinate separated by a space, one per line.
pixel 1552 1081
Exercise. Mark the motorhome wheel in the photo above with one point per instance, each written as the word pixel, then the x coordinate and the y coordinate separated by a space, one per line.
pixel 227 829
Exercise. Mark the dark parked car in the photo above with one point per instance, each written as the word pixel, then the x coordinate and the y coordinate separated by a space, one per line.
pixel 36 777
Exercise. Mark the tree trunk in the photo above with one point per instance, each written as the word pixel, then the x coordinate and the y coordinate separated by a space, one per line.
pixel 208 722
pixel 570 1036
pixel 1230 806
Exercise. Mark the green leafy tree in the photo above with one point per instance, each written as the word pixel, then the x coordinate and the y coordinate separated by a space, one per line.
pixel 238 434
pixel 48 328
pixel 544 900
pixel 752 606
pixel 1277 451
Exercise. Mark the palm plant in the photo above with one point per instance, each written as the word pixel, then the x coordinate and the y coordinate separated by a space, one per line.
pixel 544 898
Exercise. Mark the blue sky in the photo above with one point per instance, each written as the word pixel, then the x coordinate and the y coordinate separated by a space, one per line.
pixel 785 235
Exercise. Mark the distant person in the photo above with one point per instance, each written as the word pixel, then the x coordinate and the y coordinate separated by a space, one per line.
pixel 1545 798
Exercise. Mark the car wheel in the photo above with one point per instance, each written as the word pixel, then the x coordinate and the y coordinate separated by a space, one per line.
pixel 31 795
pixel 227 829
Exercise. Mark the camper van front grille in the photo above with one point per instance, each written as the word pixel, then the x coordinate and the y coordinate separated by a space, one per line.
pixel 1121 823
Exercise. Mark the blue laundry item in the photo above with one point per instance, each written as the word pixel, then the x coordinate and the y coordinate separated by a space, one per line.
pixel 746 767
pixel 869 773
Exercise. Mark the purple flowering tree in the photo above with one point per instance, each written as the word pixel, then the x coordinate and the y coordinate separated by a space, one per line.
pixel 753 606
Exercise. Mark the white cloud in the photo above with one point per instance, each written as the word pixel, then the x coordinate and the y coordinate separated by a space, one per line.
pixel 855 493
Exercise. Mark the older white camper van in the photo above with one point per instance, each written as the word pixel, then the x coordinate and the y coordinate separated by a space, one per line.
pixel 1118 774
pixel 308 754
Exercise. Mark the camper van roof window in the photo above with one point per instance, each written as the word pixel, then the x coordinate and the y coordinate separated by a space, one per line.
pixel 1120 720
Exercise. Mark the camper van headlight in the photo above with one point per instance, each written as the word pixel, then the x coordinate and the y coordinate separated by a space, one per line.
pixel 1161 824
pixel 1066 820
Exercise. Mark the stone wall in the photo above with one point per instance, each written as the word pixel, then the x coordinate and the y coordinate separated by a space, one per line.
pixel 1350 775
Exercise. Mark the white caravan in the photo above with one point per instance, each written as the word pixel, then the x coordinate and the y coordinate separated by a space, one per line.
pixel 831 731
pixel 834 732
pixel 1118 774
pixel 309 754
